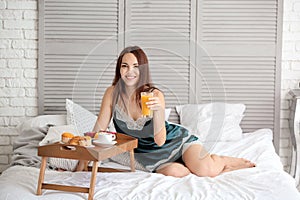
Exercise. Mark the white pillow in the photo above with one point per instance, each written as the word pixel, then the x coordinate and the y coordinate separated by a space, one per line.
pixel 167 113
pixel 213 121
pixel 62 163
pixel 80 117
pixel 41 121
pixel 54 133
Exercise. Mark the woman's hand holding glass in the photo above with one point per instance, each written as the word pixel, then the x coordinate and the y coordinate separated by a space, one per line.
pixel 155 104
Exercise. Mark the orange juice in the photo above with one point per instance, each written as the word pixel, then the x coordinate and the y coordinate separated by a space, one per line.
pixel 146 112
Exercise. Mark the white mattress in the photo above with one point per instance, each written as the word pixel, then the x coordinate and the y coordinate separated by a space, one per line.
pixel 266 181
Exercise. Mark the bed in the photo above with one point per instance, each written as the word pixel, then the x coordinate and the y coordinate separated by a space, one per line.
pixel 267 180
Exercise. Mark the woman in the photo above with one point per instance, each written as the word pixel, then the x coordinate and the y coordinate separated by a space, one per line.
pixel 163 148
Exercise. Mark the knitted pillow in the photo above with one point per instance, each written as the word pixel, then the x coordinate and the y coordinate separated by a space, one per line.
pixel 80 117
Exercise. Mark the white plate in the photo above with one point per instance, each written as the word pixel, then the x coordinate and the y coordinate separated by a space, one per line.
pixel 97 143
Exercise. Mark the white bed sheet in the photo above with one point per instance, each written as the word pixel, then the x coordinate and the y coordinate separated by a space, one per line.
pixel 267 181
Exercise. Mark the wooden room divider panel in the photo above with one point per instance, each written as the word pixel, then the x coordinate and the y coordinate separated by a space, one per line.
pixel 199 52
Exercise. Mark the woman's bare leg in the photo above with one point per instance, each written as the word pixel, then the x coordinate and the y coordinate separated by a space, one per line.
pixel 236 163
pixel 82 165
pixel 201 163
pixel 173 169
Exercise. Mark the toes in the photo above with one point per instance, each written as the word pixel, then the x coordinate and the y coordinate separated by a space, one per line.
pixel 245 160
pixel 248 162
pixel 251 164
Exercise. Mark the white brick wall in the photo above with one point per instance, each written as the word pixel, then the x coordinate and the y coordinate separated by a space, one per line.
pixel 290 70
pixel 18 69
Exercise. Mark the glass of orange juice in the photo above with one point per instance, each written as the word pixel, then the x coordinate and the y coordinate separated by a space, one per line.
pixel 146 112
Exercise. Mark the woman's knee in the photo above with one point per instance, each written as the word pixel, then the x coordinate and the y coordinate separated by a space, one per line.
pixel 174 169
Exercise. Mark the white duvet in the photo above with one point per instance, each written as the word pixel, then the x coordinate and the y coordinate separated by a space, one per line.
pixel 266 181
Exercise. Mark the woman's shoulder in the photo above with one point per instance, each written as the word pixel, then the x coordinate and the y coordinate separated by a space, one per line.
pixel 110 89
pixel 109 92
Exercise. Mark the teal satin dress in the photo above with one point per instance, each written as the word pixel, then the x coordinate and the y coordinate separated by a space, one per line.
pixel 148 153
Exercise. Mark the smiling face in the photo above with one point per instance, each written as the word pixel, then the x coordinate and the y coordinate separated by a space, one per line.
pixel 129 70
pixel 129 56
pixel 132 74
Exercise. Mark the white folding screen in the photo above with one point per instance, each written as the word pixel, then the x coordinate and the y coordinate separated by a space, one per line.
pixel 79 43
pixel 199 51
pixel 239 58
pixel 166 30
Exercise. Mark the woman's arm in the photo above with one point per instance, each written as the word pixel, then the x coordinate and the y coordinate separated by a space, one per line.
pixel 103 119
pixel 105 113
pixel 157 104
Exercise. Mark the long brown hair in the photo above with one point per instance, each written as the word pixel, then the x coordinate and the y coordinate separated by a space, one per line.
pixel 144 82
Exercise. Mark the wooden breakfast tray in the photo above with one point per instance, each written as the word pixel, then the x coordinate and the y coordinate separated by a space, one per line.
pixel 125 143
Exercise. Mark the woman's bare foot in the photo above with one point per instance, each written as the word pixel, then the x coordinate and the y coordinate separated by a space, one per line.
pixel 82 165
pixel 61 170
pixel 232 163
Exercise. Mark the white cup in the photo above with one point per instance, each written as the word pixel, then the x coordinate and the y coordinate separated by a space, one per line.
pixel 106 138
